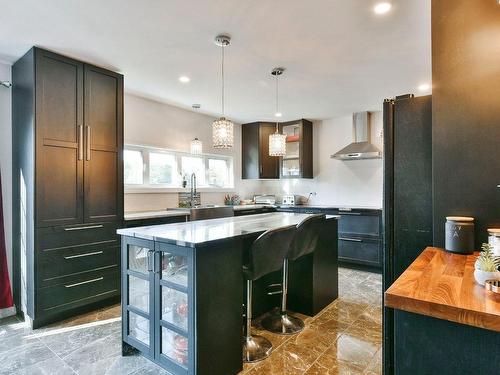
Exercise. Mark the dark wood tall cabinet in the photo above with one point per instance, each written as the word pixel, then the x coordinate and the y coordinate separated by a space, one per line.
pixel 67 185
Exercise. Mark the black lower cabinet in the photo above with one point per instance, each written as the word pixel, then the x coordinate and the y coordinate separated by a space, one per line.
pixel 426 346
pixel 78 270
pixel 360 242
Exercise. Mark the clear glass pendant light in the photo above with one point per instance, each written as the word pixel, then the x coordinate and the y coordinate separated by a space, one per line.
pixel 277 141
pixel 222 129
pixel 196 147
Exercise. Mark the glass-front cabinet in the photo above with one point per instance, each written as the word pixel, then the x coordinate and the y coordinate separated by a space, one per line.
pixel 297 163
pixel 156 302
pixel 137 301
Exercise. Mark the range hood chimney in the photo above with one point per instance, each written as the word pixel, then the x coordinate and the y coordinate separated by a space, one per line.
pixel 361 148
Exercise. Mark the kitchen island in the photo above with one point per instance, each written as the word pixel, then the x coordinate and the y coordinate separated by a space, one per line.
pixel 183 288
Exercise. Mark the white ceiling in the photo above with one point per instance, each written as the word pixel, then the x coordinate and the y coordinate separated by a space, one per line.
pixel 340 56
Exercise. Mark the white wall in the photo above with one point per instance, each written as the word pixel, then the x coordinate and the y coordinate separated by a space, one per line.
pixel 338 183
pixel 6 158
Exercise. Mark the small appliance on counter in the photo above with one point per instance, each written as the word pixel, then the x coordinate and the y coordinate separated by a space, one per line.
pixel 264 199
pixel 289 200
pixel 459 234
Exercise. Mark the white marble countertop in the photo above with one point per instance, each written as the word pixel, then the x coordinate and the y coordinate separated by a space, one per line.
pixel 193 233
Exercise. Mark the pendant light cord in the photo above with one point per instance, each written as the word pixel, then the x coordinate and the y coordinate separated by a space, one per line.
pixel 277 102
pixel 222 71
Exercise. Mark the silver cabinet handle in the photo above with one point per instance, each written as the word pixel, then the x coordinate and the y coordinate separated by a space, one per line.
pixel 273 293
pixel 80 142
pixel 350 213
pixel 150 260
pixel 350 239
pixel 83 228
pixel 88 142
pixel 84 282
pixel 83 255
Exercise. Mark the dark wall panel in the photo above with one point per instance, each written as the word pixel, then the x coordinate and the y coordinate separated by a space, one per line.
pixel 466 113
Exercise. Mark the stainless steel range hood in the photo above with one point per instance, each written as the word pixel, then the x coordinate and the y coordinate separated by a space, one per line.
pixel 361 148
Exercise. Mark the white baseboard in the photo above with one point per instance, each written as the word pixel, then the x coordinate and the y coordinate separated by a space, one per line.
pixel 9 311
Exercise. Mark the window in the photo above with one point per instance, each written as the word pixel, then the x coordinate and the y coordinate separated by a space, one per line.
pixel 196 165
pixel 148 167
pixel 162 169
pixel 218 172
pixel 133 166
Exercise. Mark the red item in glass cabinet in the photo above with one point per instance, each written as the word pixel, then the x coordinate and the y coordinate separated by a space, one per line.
pixel 293 138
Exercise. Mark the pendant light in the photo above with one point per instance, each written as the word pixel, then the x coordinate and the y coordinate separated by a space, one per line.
pixel 196 147
pixel 277 141
pixel 222 129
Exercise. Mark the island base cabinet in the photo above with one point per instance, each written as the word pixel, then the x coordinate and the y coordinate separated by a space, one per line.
pixel 159 305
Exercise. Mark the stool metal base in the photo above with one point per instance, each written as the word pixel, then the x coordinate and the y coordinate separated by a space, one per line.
pixel 256 348
pixel 283 324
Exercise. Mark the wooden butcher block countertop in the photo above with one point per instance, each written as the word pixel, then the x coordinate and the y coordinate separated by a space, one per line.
pixel 441 284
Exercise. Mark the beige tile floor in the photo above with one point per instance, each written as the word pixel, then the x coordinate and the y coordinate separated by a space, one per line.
pixel 345 338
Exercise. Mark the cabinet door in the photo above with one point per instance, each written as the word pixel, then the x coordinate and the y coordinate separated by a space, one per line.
pixel 174 307
pixel 298 161
pixel 104 145
pixel 268 165
pixel 59 143
pixel 138 294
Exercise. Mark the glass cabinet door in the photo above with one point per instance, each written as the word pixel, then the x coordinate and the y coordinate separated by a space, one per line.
pixel 137 306
pixel 290 166
pixel 174 283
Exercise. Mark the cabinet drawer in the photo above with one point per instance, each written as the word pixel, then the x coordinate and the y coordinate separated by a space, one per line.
pixel 359 223
pixel 78 291
pixel 58 263
pixel 57 237
pixel 359 250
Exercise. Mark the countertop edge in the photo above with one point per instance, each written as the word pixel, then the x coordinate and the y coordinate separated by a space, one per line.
pixel 442 311
pixel 395 297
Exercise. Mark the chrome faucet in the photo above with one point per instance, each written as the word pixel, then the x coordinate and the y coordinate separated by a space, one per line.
pixel 193 189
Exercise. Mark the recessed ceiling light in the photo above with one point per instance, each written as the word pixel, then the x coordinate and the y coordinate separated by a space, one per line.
pixel 382 8
pixel 184 79
pixel 424 87
pixel 278 114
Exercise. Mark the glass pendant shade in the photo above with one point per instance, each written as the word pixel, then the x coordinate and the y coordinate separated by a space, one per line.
pixel 222 133
pixel 277 144
pixel 196 147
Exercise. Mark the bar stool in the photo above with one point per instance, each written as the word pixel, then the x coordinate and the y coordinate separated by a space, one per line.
pixel 305 241
pixel 265 256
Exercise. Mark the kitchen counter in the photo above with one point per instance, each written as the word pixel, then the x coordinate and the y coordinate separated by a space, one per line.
pixel 198 232
pixel 441 285
pixel 140 215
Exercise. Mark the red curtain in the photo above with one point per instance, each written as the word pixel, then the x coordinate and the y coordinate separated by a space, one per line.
pixel 5 291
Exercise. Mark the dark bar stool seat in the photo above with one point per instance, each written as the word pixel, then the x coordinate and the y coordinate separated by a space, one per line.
pixel 305 241
pixel 265 256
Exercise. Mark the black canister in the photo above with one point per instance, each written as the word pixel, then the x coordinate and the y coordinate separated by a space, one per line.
pixel 460 234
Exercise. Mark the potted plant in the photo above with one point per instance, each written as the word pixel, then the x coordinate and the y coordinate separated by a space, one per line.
pixel 486 266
